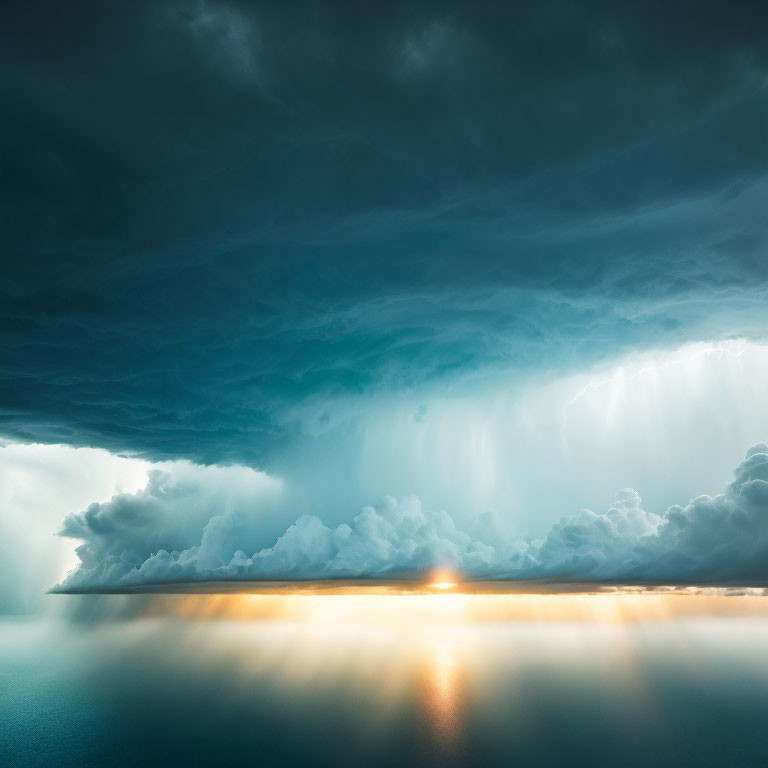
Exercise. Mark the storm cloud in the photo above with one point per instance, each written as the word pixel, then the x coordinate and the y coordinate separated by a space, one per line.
pixel 227 224
pixel 481 257
pixel 155 537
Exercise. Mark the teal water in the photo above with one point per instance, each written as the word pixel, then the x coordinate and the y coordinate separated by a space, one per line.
pixel 151 687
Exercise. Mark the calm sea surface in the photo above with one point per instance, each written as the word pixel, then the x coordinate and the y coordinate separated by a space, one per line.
pixel 368 680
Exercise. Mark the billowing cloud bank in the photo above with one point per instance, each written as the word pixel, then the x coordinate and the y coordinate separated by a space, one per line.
pixel 189 525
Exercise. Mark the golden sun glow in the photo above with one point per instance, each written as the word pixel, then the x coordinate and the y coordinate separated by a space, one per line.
pixel 443 580
pixel 432 604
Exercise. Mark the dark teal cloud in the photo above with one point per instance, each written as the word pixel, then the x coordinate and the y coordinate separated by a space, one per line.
pixel 220 220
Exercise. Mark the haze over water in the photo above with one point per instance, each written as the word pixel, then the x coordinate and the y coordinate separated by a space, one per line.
pixel 371 679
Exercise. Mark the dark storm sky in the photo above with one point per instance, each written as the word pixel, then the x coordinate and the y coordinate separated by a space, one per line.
pixel 222 222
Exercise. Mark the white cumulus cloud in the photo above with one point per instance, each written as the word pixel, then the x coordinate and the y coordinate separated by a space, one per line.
pixel 198 523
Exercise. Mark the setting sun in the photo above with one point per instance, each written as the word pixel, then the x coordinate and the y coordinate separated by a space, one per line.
pixel 443 579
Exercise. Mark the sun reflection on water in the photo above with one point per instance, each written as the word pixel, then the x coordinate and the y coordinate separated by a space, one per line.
pixel 436 669
pixel 388 646
pixel 442 690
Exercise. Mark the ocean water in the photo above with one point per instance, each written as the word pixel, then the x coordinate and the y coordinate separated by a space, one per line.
pixel 371 679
